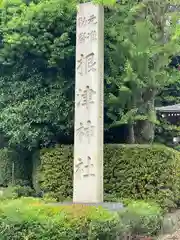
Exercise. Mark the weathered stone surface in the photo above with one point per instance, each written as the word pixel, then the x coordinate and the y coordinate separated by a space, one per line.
pixel 88 132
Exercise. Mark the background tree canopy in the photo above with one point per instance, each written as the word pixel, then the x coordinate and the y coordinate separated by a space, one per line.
pixel 140 50
pixel 37 71
pixel 37 57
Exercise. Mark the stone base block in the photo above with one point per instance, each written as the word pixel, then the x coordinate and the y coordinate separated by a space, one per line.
pixel 111 206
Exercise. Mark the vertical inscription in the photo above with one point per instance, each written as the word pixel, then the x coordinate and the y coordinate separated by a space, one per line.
pixel 88 103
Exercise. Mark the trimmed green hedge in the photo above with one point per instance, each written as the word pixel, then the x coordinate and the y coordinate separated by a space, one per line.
pixel 130 171
pixel 29 218
pixel 56 171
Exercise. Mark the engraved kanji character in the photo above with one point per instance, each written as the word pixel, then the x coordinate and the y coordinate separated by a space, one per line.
pixel 88 168
pixel 90 63
pixel 87 131
pixel 79 166
pixel 86 97
pixel 80 65
pixel 86 64
pixel 82 21
pixel 80 131
pixel 92 19
pixel 93 35
pixel 82 37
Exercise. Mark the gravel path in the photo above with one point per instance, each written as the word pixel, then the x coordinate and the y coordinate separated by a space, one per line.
pixel 171 227
pixel 174 236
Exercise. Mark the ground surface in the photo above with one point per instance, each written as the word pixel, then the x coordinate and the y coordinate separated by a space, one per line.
pixel 174 236
pixel 171 227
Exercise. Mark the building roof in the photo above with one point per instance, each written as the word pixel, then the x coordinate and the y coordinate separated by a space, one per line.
pixel 171 108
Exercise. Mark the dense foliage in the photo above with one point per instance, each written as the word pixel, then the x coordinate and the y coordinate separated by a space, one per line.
pixel 143 217
pixel 14 168
pixel 132 171
pixel 37 56
pixel 37 59
pixel 140 46
pixel 37 66
pixel 33 219
pixel 37 62
pixel 55 174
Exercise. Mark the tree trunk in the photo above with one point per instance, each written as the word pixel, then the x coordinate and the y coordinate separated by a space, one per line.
pixel 131 135
pixel 145 128
pixel 145 132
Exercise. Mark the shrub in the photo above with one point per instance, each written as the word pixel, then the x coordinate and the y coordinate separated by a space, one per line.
pixel 143 218
pixel 6 166
pixel 56 172
pixel 13 167
pixel 143 172
pixel 13 192
pixel 9 193
pixel 29 218
pixel 23 218
pixel 130 171
pixel 177 147
pixel 23 191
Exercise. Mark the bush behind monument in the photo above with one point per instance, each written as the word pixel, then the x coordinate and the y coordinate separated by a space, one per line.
pixel 130 171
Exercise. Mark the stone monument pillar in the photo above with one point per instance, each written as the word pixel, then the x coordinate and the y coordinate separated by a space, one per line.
pixel 88 132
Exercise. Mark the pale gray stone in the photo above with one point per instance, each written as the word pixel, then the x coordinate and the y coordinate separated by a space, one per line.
pixel 88 132
pixel 111 206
